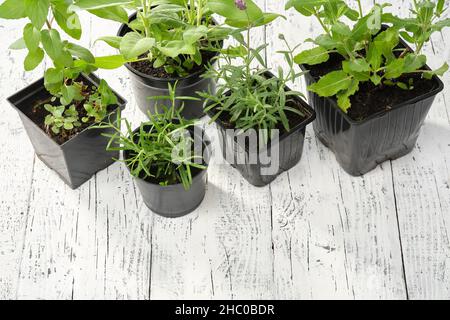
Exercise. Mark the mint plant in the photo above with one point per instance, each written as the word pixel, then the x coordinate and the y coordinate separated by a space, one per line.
pixel 169 34
pixel 161 150
pixel 70 96
pixel 250 96
pixel 370 52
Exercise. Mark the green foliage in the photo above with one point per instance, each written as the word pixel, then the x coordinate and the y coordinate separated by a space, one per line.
pixel 40 38
pixel 249 96
pixel 61 118
pixel 161 149
pixel 370 52
pixel 167 33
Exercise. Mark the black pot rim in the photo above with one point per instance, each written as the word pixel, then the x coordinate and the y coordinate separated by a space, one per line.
pixel 198 176
pixel 379 114
pixel 91 77
pixel 310 118
pixel 191 76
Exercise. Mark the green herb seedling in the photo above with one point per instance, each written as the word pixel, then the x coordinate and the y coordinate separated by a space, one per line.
pixel 251 98
pixel 170 34
pixel 370 53
pixel 161 150
pixel 41 38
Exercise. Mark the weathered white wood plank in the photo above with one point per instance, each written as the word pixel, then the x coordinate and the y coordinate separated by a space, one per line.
pixel 16 163
pixel 223 250
pixel 422 188
pixel 335 236
pixel 93 242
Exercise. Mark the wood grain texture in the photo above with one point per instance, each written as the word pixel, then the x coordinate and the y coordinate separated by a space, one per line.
pixel 313 233
pixel 335 236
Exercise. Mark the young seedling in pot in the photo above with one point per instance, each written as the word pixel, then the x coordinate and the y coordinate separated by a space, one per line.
pixel 371 91
pixel 369 51
pixel 165 159
pixel 65 110
pixel 58 110
pixel 251 99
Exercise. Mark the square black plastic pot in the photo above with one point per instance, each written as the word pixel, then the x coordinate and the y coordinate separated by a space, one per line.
pixel 145 86
pixel 290 148
pixel 360 146
pixel 78 159
pixel 174 201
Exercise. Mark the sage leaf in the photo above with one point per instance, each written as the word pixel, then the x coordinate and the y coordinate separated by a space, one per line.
pixel 331 84
pixel 313 56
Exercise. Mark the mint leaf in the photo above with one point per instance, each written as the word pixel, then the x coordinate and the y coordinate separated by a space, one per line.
pixel 13 9
pixel 33 59
pixel 37 11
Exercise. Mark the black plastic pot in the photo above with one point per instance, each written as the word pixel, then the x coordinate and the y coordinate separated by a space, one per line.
pixel 174 201
pixel 145 86
pixel 78 159
pixel 290 146
pixel 360 146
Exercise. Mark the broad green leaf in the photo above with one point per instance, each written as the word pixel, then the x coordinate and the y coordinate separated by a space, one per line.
pixel 33 59
pixel 235 17
pixel 174 48
pixel 98 4
pixel 395 69
pixel 357 65
pixel 312 57
pixel 68 22
pixel 37 11
pixel 54 47
pixel 341 29
pixel 133 45
pixel 326 41
pixel 305 7
pixel 53 80
pixel 32 37
pixel 111 40
pixel 53 75
pixel 343 98
pixel 80 52
pixel 13 9
pixel 110 62
pixel 118 14
pixel 374 56
pixel 331 84
pixel 192 35
pixel 414 62
pixel 18 45
pixel 386 41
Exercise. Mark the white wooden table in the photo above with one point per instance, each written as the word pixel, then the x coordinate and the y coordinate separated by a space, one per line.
pixel 314 233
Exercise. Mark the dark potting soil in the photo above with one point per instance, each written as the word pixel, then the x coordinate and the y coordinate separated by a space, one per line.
pixel 371 99
pixel 146 66
pixel 37 114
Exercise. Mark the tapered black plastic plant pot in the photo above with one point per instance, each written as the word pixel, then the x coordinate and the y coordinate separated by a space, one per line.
pixel 360 146
pixel 174 201
pixel 145 86
pixel 262 165
pixel 76 160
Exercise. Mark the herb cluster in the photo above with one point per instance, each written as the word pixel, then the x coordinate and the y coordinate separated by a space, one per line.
pixel 41 38
pixel 171 34
pixel 251 97
pixel 370 48
pixel 161 149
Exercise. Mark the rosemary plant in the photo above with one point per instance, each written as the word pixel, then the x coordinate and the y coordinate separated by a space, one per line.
pixel 161 150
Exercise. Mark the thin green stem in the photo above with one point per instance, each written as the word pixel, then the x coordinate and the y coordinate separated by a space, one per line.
pixel 361 13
